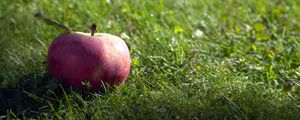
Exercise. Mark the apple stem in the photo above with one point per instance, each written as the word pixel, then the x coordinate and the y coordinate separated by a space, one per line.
pixel 52 22
pixel 93 29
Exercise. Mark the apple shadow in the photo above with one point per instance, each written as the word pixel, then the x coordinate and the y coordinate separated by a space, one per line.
pixel 31 92
pixel 32 95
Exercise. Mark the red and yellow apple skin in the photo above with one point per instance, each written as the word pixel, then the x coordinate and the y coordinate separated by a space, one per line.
pixel 75 57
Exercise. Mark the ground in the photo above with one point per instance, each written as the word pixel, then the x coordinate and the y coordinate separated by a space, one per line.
pixel 191 59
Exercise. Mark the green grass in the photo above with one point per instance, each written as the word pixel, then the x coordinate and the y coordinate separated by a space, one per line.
pixel 244 65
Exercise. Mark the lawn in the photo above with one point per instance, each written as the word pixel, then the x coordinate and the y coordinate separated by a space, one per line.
pixel 191 59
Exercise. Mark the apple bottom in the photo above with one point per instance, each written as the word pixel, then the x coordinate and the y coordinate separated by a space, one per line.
pixel 95 79
pixel 95 85
pixel 74 72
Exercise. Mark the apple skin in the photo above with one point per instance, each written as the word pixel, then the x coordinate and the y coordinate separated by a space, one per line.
pixel 103 58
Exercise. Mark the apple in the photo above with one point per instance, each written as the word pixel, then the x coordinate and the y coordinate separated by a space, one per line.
pixel 99 58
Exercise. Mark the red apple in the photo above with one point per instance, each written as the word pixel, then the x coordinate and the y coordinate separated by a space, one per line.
pixel 74 57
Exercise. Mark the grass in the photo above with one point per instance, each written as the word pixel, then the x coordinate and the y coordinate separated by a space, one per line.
pixel 207 59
